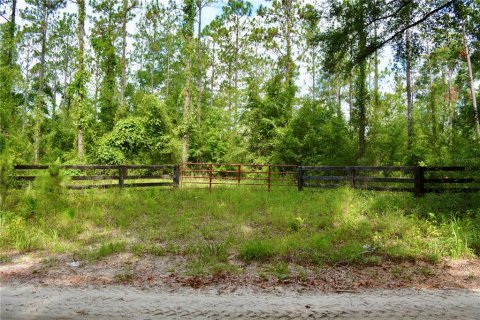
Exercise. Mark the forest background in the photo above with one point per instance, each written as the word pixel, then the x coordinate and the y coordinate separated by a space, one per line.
pixel 372 82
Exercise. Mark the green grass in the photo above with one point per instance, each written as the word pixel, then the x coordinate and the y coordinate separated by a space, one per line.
pixel 257 249
pixel 210 230
pixel 107 249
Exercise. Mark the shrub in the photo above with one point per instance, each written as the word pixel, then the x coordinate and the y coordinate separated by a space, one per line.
pixel 6 175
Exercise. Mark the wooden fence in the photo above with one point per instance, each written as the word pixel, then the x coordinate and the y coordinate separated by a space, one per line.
pixel 418 180
pixel 109 176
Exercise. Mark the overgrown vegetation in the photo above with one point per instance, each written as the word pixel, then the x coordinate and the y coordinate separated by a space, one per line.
pixel 214 231
pixel 367 82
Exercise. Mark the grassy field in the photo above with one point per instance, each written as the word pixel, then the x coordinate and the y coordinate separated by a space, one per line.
pixel 210 230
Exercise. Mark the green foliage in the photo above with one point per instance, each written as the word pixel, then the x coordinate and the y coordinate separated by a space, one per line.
pixel 277 230
pixel 6 175
pixel 126 139
pixel 317 136
pixel 109 155
pixel 259 250
pixel 281 271
pixel 147 136
pixel 50 185
pixel 265 86
pixel 160 141
pixel 106 33
pixel 209 142
pixel 266 117
pixel 108 248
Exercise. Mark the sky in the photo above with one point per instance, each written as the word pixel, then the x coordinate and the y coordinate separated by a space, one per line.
pixel 209 13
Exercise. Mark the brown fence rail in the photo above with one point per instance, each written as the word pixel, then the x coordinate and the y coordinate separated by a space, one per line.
pixel 267 177
pixel 419 180
pixel 110 176
pixel 257 176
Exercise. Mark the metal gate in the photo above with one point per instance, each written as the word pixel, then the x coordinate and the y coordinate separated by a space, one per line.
pixel 262 177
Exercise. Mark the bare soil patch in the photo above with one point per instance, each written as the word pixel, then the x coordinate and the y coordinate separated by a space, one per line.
pixel 124 286
pixel 168 272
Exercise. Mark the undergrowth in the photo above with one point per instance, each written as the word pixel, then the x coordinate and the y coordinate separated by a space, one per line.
pixel 210 230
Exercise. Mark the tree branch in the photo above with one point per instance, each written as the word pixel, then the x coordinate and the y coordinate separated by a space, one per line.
pixel 406 3
pixel 6 19
pixel 372 49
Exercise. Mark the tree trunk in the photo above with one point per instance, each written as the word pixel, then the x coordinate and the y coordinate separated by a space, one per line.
pixel 338 96
pixel 36 139
pixel 289 17
pixel 152 68
pixel 212 79
pixel 472 83
pixel 361 106
pixel 63 103
pixel 361 89
pixel 350 102
pixel 186 108
pixel 167 85
pixel 237 50
pixel 41 87
pixel 124 59
pixel 54 94
pixel 409 89
pixel 26 90
pixel 451 106
pixel 432 99
pixel 81 67
pixel 314 85
pixel 188 26
pixel 199 58
pixel 11 51
pixel 185 137
pixel 376 93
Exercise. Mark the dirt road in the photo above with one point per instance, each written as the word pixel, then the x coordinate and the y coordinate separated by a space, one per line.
pixel 27 301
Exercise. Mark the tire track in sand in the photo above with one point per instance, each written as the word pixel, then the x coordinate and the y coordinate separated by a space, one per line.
pixel 26 301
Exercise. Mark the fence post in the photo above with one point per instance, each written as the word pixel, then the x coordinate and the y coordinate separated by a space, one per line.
pixel 419 183
pixel 352 177
pixel 269 177
pixel 121 176
pixel 176 176
pixel 238 174
pixel 300 178
pixel 210 176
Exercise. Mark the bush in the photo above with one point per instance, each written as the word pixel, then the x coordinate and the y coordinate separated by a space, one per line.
pixel 6 175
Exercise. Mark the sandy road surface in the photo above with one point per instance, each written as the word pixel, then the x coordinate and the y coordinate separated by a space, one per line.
pixel 27 301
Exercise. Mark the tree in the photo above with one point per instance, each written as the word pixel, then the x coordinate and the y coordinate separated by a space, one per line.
pixel 311 18
pixel 7 72
pixel 317 136
pixel 472 80
pixel 104 39
pixel 281 38
pixel 61 55
pixel 343 44
pixel 126 15
pixel 187 31
pixel 200 5
pixel 408 75
pixel 230 35
pixel 39 14
pixel 78 88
